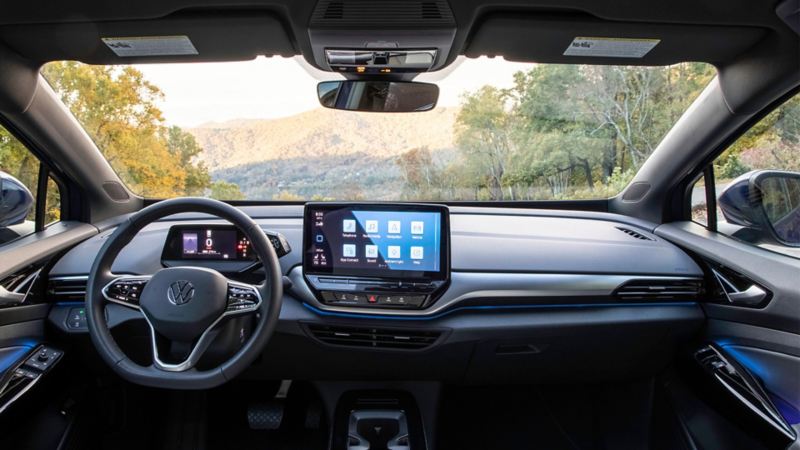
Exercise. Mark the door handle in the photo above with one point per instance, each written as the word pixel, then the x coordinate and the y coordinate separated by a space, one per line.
pixel 8 298
pixel 752 296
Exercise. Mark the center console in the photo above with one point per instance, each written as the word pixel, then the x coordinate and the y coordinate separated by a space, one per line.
pixel 376 255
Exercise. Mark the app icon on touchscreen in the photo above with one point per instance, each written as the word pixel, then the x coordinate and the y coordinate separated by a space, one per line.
pixel 417 227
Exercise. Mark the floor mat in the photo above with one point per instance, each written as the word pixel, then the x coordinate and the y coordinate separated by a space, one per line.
pixel 228 427
pixel 603 417
pixel 495 418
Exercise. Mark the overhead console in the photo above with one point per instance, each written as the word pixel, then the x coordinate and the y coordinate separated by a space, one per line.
pixel 376 255
pixel 409 37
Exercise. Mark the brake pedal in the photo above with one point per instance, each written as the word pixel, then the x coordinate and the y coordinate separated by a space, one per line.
pixel 265 416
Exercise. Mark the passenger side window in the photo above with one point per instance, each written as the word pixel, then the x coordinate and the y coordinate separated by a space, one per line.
pixel 756 185
pixel 20 196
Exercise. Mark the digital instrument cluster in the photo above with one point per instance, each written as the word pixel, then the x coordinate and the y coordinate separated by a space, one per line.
pixel 219 243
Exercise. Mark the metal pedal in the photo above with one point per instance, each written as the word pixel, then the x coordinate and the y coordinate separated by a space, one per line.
pixel 269 415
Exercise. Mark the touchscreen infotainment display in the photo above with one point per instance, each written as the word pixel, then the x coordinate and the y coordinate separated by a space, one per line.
pixel 376 240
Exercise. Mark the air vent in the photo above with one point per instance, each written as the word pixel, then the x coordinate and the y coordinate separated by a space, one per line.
pixel 382 13
pixel 374 337
pixel 67 289
pixel 430 11
pixel 635 234
pixel 688 289
pixel 334 11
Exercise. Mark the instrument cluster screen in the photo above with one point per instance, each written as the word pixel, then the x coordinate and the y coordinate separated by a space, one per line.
pixel 376 241
pixel 216 243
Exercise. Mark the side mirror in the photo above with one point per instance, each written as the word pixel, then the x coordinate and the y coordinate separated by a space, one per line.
pixel 767 201
pixel 16 201
pixel 778 195
pixel 378 96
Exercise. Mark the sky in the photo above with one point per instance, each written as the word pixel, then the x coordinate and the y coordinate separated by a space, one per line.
pixel 267 88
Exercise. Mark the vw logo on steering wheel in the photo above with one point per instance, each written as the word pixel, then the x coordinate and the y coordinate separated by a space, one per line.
pixel 180 292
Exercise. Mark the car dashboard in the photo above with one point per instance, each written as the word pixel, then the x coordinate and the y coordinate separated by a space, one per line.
pixel 517 295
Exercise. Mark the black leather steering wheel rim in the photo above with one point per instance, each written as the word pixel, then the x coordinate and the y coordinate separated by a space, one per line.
pixel 267 314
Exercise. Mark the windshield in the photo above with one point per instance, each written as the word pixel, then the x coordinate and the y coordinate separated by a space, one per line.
pixel 255 130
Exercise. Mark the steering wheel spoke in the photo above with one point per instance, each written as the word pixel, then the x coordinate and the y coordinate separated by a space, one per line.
pixel 243 298
pixel 198 348
pixel 126 290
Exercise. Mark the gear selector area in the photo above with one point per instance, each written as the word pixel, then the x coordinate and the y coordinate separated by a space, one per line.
pixel 378 430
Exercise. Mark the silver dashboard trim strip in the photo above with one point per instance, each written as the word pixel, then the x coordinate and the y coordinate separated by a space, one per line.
pixel 471 285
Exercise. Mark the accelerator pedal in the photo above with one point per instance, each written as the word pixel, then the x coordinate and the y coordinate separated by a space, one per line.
pixel 269 415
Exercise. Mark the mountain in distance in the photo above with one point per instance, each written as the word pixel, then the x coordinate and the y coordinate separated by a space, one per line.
pixel 322 132
pixel 335 154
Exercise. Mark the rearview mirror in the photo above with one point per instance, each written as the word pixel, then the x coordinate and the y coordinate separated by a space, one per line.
pixel 16 201
pixel 378 96
pixel 766 201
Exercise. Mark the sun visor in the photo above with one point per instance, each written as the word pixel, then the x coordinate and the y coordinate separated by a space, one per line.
pixel 560 39
pixel 179 38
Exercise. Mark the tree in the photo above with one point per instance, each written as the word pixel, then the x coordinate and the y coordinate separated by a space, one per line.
pixel 554 131
pixel 569 130
pixel 483 133
pixel 222 190
pixel 185 147
pixel 118 109
pixel 419 172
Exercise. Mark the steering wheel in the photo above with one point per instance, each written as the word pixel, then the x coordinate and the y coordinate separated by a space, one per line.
pixel 183 305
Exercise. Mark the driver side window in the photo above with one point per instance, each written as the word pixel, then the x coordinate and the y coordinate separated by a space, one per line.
pixel 23 178
pixel 756 185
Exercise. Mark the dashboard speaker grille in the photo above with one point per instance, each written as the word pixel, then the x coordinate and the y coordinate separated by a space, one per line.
pixel 382 13
pixel 67 289
pixel 635 234
pixel 374 337
pixel 688 289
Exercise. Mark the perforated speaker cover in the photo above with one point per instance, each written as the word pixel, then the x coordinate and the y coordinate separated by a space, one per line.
pixel 116 191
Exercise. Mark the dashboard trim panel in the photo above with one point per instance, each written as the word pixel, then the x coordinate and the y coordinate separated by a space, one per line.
pixel 465 286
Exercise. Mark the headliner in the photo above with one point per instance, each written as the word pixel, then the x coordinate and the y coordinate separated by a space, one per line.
pixel 710 26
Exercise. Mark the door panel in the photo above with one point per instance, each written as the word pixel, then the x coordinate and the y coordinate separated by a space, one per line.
pixel 763 340
pixel 26 358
